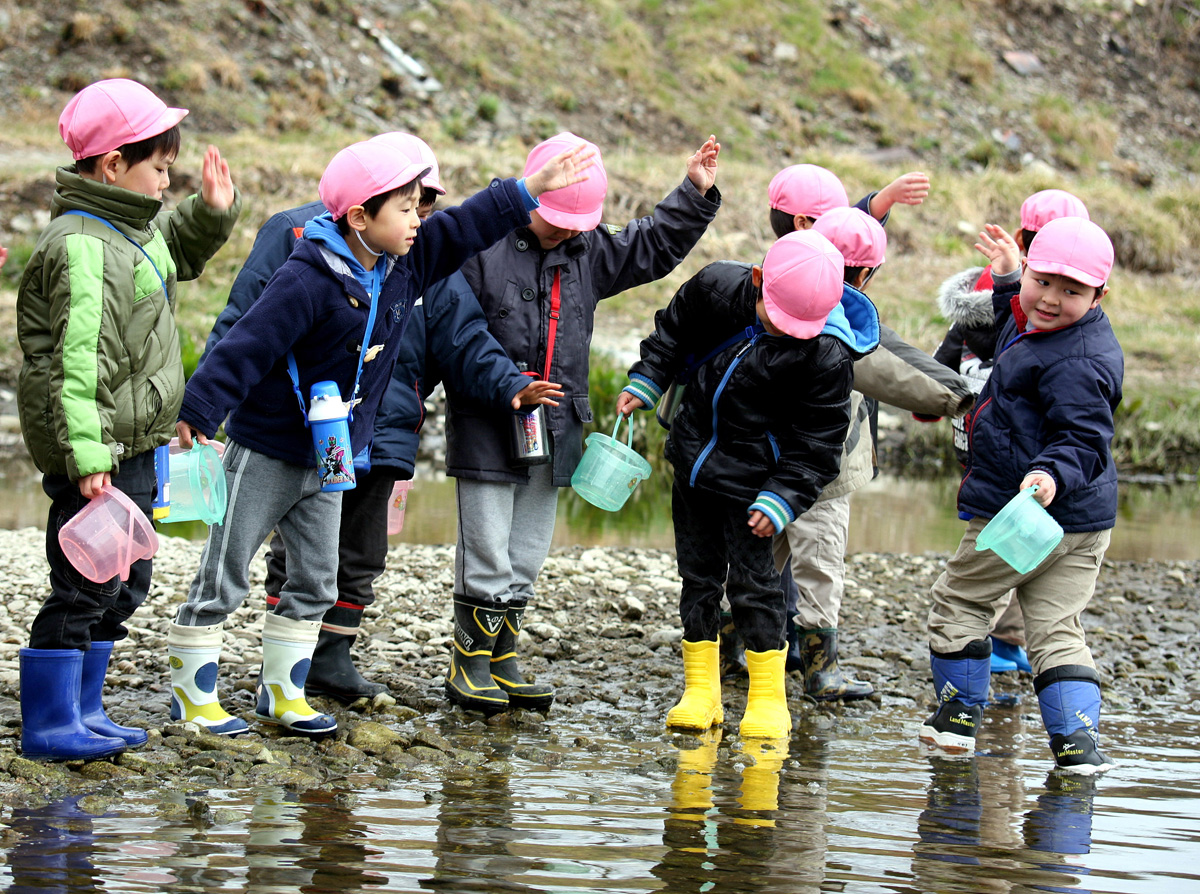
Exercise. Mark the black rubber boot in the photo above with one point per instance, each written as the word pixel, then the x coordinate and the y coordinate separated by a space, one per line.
pixel 823 679
pixel 521 693
pixel 733 651
pixel 469 683
pixel 332 671
pixel 794 660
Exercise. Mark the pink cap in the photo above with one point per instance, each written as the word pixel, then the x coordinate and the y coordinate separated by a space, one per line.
pixel 363 170
pixel 809 190
pixel 1074 247
pixel 575 207
pixel 110 114
pixel 802 282
pixel 414 147
pixel 1042 207
pixel 856 234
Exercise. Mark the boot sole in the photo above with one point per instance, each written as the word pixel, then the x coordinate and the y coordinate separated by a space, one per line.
pixel 531 703
pixel 1085 769
pixel 343 696
pixel 475 703
pixel 950 743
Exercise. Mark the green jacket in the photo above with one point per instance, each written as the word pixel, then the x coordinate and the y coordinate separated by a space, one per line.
pixel 102 377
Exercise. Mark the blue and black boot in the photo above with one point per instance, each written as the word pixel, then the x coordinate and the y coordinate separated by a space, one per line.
pixel 1069 696
pixel 961 679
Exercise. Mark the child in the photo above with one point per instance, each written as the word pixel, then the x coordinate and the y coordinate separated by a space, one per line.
pixel 539 288
pixel 446 337
pixel 965 299
pixel 812 549
pixel 316 320
pixel 759 433
pixel 798 195
pixel 102 380
pixel 1045 420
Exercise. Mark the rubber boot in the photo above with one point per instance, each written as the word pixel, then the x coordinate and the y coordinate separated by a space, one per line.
pixel 766 714
pixel 1007 652
pixel 192 653
pixel 795 657
pixel 52 728
pixel 332 671
pixel 91 705
pixel 691 792
pixel 962 680
pixel 287 653
pixel 760 781
pixel 469 683
pixel 823 679
pixel 733 653
pixel 503 663
pixel 1069 697
pixel 700 705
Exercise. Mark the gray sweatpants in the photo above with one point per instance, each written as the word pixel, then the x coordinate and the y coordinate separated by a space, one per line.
pixel 504 535
pixel 265 494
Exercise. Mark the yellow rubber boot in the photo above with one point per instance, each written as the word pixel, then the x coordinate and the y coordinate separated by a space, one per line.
pixel 760 780
pixel 766 714
pixel 700 705
pixel 691 792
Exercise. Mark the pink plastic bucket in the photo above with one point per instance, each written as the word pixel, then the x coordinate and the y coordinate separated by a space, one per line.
pixel 107 536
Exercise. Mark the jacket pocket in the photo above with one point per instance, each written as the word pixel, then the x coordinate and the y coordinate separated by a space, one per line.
pixel 583 408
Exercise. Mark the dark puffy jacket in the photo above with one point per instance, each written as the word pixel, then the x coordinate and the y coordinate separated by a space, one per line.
pixel 513 282
pixel 1048 405
pixel 768 415
pixel 447 337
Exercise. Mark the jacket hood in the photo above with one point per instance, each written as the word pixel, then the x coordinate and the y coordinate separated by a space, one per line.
pixel 854 321
pixel 114 204
pixel 962 304
pixel 324 232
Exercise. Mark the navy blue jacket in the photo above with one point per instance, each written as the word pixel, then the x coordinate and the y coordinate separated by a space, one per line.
pixel 446 338
pixel 1048 405
pixel 316 308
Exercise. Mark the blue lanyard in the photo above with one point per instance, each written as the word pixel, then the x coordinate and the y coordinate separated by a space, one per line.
pixel 131 241
pixel 294 372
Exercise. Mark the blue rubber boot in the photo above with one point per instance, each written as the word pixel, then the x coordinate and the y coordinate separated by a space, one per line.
pixel 51 726
pixel 961 679
pixel 1069 696
pixel 91 704
pixel 1009 654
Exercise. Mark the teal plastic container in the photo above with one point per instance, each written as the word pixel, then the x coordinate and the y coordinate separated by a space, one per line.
pixel 609 470
pixel 197 485
pixel 1022 533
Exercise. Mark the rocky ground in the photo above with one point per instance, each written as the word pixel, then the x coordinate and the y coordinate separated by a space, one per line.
pixel 604 632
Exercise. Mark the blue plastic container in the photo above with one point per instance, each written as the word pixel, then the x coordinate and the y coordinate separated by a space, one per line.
pixel 1022 533
pixel 609 470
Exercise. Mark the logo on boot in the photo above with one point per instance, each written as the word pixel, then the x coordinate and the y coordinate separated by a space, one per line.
pixel 948 693
pixel 490 622
pixel 963 718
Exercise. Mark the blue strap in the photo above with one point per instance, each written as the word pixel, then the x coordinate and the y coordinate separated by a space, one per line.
pixel 130 240
pixel 691 364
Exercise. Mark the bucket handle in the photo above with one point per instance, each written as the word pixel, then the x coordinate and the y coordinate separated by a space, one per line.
pixel 628 431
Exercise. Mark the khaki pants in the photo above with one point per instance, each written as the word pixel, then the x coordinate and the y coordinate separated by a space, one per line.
pixel 1052 597
pixel 816 544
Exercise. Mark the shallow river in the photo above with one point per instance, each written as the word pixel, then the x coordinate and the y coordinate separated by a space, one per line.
pixel 609 803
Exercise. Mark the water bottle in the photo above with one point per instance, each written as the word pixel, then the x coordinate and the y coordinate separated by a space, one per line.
pixel 330 423
pixel 530 440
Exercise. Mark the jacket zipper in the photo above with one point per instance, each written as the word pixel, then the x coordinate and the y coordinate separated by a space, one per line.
pixel 712 442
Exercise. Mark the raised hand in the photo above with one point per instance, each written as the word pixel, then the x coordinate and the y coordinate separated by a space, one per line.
pixel 3 256
pixel 537 392
pixel 565 169
pixel 702 166
pixel 216 186
pixel 999 248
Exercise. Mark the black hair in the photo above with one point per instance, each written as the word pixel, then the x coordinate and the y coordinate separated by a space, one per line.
pixel 852 273
pixel 1027 238
pixel 373 205
pixel 429 196
pixel 783 223
pixel 167 142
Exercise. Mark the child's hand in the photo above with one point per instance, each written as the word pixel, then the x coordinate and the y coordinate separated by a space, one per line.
pixel 907 189
pixel 90 486
pixel 1045 486
pixel 760 525
pixel 564 169
pixel 216 186
pixel 537 392
pixel 187 434
pixel 999 248
pixel 702 167
pixel 627 403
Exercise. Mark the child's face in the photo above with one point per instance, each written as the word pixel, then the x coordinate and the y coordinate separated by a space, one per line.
pixel 547 234
pixel 1052 301
pixel 148 177
pixel 394 228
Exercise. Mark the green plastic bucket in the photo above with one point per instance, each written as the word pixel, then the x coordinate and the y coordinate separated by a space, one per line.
pixel 197 485
pixel 1022 533
pixel 609 470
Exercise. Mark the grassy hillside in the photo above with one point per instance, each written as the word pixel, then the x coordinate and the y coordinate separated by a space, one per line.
pixel 869 89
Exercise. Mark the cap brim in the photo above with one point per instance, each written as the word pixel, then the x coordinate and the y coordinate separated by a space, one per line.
pixel 1088 279
pixel 168 119
pixel 407 174
pixel 793 326
pixel 568 221
pixel 430 183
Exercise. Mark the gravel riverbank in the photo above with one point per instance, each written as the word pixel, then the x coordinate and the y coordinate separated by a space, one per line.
pixel 604 632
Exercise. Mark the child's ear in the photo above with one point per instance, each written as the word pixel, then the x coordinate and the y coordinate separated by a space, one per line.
pixel 756 276
pixel 108 168
pixel 356 217
pixel 1100 293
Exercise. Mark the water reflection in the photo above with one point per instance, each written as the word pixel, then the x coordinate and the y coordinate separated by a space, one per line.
pixel 53 849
